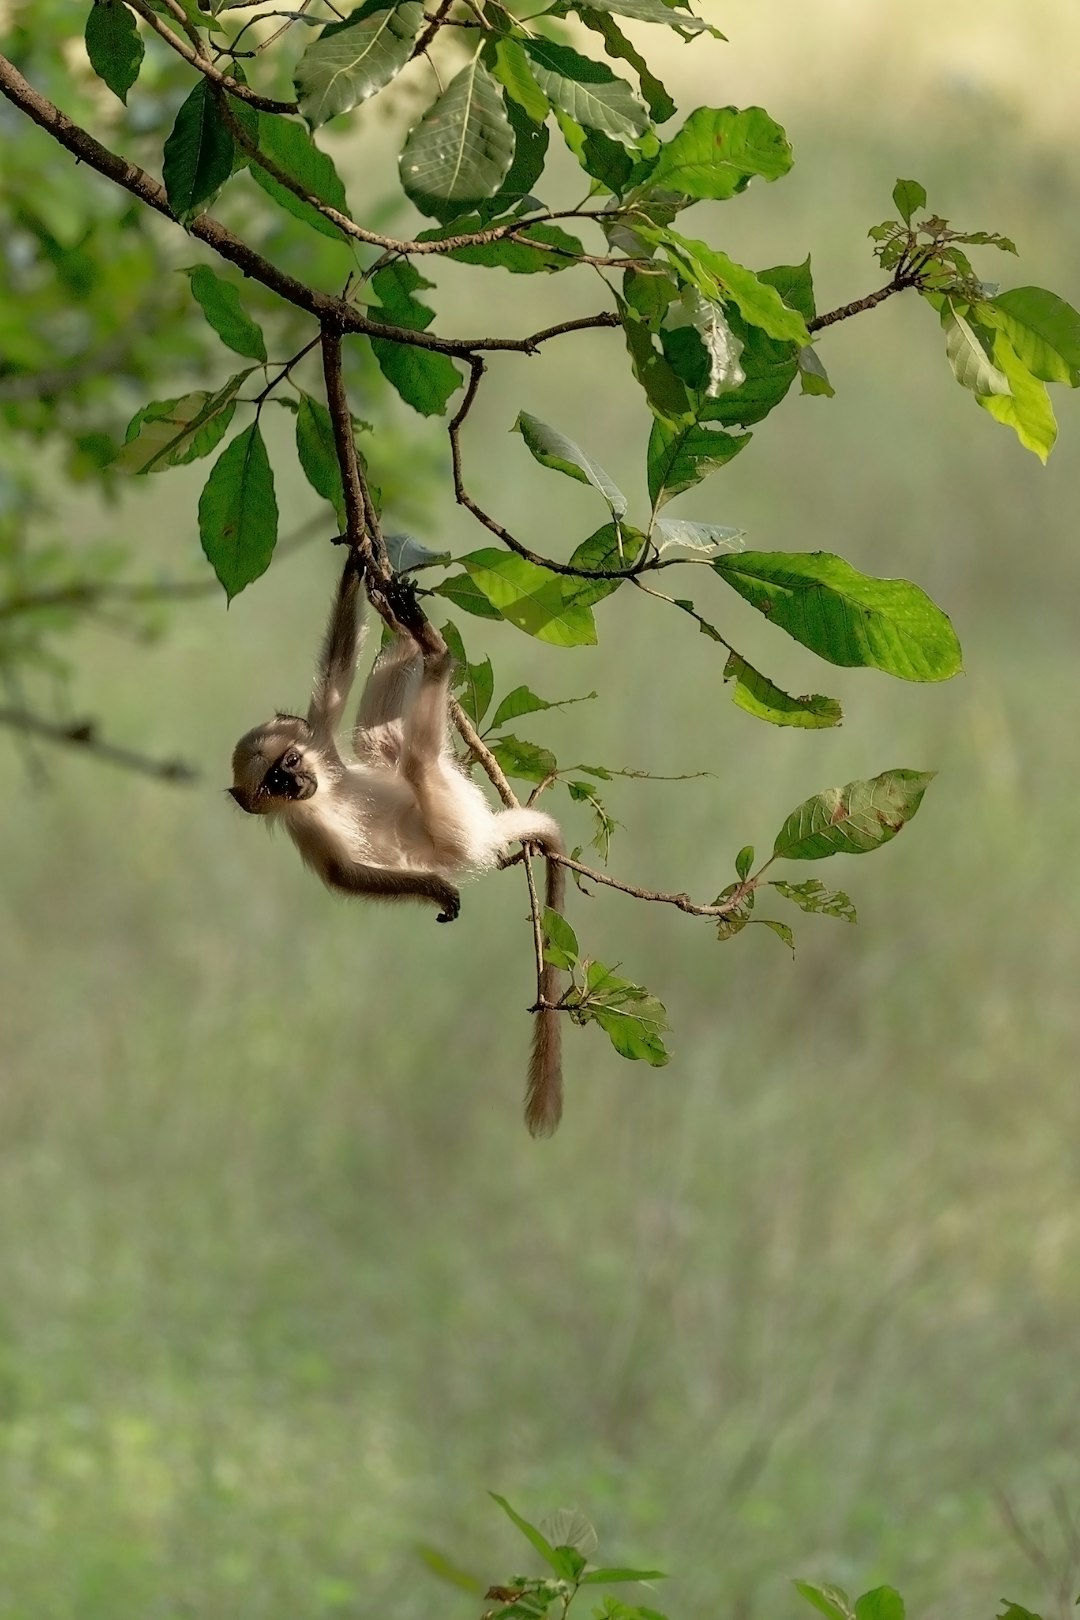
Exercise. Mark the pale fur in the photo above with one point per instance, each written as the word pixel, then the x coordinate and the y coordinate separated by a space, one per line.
pixel 400 819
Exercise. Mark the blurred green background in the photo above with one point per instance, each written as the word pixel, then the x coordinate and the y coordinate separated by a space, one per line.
pixel 284 1285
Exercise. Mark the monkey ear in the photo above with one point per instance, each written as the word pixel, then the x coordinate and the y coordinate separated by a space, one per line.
pixel 241 798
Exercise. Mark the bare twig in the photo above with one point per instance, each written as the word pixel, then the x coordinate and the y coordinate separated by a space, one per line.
pixel 537 931
pixel 899 283
pixel 83 734
pixel 683 901
pixel 435 21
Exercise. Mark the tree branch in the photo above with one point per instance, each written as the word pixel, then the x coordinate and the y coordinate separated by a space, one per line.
pixel 898 284
pixel 192 54
pixel 682 901
pixel 337 312
pixel 83 734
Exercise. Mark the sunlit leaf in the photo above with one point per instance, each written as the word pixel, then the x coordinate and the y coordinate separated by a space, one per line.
pixel 681 454
pixel 1043 329
pixel 846 617
pixel 171 432
pixel 852 820
pixel 700 537
pixel 909 196
pixel 972 366
pixel 719 150
pixel 531 598
pixel 760 697
pixel 1026 408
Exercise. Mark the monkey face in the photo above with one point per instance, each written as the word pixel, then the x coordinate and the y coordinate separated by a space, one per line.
pixel 273 767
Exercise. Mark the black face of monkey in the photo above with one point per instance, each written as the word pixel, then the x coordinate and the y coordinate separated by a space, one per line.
pixel 288 778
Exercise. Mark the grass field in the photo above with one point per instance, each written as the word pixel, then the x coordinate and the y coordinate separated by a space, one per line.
pixel 284 1286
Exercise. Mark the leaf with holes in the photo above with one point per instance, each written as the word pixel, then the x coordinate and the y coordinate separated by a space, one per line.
pixel 846 617
pixel 114 46
pixel 758 696
pixel 852 820
pixel 462 148
pixel 705 538
pixel 354 59
pixel 812 896
pixel 540 603
pixel 198 154
pixel 172 432
pixel 238 514
pixel 587 91
pixel 553 449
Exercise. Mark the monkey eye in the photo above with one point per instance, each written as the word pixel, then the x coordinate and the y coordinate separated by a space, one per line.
pixel 291 760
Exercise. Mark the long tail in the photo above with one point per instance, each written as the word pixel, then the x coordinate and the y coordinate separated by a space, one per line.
pixel 544 1090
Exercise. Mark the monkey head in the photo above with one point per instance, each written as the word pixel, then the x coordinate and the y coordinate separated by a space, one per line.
pixel 274 766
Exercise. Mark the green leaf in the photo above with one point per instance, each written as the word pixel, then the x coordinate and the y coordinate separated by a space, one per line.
pixel 534 248
pixel 446 1570
pixel 620 49
pixel 476 690
pixel 681 454
pixel 423 378
pixel 717 276
pixel 511 68
pixel 406 553
pixel 781 930
pixel 1042 328
pixel 553 449
pixel 631 1018
pixel 198 154
pixel 846 617
pixel 172 432
pixel 220 303
pixel 972 366
pixel 353 59
pixel 523 701
pixel 317 451
pixel 238 514
pixel 758 695
pixel 814 377
pixel 719 150
pixel 604 159
pixel 532 598
pixel 1026 408
pixel 529 1531
pixel 667 396
pixel 909 196
pixel 468 596
pixel 831 1601
pixel 883 1603
pixel 607 548
pixel 615 1577
pixel 655 11
pixel 462 148
pixel 812 896
pixel 734 921
pixel 114 45
pixel 560 941
pixel 605 824
pixel 587 91
pixel 744 860
pixel 525 760
pixel 530 154
pixel 290 148
pixel 852 820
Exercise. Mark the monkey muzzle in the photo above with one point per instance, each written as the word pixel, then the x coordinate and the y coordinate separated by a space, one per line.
pixel 293 785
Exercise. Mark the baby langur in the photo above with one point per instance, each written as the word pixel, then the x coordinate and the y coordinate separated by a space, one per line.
pixel 401 818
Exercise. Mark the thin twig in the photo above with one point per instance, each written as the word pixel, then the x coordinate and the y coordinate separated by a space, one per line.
pixel 435 21
pixel 683 901
pixel 537 931
pixel 83 734
pixel 899 283
pixel 192 54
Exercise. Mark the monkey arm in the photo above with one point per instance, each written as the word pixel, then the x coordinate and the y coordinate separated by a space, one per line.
pixel 394 883
pixel 341 647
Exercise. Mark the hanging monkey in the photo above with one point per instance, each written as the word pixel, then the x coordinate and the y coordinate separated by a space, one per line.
pixel 401 818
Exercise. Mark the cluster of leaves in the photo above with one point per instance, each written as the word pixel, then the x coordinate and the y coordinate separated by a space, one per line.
pixel 566 1543
pixel 714 345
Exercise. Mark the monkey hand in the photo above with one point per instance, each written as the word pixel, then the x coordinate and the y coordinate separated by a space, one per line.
pixel 450 900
